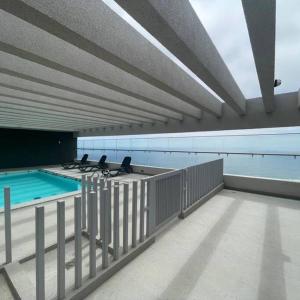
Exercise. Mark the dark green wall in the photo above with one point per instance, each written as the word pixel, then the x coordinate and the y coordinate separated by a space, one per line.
pixel 27 148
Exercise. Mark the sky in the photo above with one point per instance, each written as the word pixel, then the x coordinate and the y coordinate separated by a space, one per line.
pixel 233 43
pixel 225 23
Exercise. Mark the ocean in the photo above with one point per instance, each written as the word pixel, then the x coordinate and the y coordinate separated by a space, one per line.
pixel 271 154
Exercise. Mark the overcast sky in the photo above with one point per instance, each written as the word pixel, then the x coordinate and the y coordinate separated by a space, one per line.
pixel 226 25
pixel 225 22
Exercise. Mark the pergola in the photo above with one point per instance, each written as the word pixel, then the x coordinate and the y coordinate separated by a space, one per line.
pixel 79 66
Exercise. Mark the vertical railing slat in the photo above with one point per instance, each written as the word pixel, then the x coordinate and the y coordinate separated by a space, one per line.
pixel 7 220
pixel 134 213
pixel 109 210
pixel 92 234
pixel 125 217
pixel 78 242
pixel 95 189
pixel 40 252
pixel 88 193
pixel 142 211
pixel 61 250
pixel 83 197
pixel 101 218
pixel 116 237
pixel 105 219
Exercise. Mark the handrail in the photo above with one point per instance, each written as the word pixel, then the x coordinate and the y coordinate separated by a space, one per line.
pixel 196 152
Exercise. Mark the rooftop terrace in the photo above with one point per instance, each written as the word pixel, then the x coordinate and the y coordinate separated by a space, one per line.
pixel 230 244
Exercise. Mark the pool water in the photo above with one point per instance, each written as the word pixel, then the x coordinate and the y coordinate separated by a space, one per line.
pixel 34 185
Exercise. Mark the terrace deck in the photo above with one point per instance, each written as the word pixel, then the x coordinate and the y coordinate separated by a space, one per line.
pixel 236 246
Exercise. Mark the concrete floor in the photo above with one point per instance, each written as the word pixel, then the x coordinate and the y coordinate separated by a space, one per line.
pixel 5 293
pixel 236 246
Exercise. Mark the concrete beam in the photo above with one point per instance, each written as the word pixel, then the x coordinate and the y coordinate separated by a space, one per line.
pixel 175 24
pixel 261 22
pixel 7 104
pixel 285 115
pixel 21 68
pixel 13 122
pixel 35 127
pixel 34 85
pixel 80 104
pixel 33 103
pixel 111 39
pixel 52 118
pixel 42 122
pixel 109 88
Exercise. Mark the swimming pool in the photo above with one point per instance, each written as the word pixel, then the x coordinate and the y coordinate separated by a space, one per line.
pixel 32 185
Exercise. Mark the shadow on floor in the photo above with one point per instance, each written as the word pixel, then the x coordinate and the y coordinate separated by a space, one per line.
pixel 272 279
pixel 187 277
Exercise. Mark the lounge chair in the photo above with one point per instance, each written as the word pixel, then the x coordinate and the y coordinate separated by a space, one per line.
pixel 75 164
pixel 124 168
pixel 100 165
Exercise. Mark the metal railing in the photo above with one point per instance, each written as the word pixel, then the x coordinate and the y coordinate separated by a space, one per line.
pixel 200 180
pixel 102 215
pixel 164 198
pixel 100 226
pixel 262 154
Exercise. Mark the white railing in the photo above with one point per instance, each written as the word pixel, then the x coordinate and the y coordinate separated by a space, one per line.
pixel 102 227
pixel 200 180
pixel 164 198
pixel 102 215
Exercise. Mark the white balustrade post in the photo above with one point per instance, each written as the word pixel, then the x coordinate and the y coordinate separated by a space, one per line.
pixel 61 255
pixel 7 220
pixel 78 242
pixel 40 252
pixel 92 234
pixel 116 238
pixel 134 213
pixel 83 197
pixel 125 218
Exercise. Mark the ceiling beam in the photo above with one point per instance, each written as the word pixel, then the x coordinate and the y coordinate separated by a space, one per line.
pixel 41 122
pixel 261 23
pixel 13 125
pixel 36 85
pixel 7 107
pixel 30 103
pixel 13 122
pixel 175 25
pixel 29 109
pixel 81 105
pixel 122 47
pixel 20 68
pixel 32 116
pixel 80 102
pixel 285 115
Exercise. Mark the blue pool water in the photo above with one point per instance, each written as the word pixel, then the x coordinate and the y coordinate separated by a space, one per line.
pixel 34 185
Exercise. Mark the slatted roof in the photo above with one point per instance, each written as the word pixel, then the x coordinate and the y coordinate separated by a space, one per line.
pixel 78 66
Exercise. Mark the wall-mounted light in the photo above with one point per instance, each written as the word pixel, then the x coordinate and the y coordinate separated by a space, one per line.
pixel 277 82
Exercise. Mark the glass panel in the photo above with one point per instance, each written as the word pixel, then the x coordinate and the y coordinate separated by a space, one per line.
pixel 159 151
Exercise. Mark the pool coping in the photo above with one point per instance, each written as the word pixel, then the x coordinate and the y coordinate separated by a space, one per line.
pixel 45 199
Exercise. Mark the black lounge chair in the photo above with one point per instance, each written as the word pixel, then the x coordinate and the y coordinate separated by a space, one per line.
pixel 124 168
pixel 75 164
pixel 100 165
